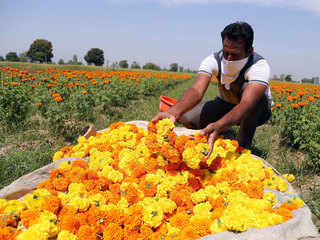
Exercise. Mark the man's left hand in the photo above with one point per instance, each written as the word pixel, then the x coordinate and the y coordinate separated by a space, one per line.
pixel 212 132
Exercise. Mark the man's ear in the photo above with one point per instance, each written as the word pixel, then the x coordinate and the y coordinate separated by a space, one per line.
pixel 250 51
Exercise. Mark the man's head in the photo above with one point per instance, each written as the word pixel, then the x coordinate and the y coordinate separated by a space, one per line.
pixel 237 40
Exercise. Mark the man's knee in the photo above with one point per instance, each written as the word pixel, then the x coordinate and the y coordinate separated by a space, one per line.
pixel 191 119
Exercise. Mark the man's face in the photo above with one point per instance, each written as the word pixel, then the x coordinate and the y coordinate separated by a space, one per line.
pixel 234 49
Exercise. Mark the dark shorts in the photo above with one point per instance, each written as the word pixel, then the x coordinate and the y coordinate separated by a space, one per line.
pixel 208 112
pixel 215 109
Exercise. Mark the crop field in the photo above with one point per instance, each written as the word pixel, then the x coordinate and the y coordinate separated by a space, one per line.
pixel 43 108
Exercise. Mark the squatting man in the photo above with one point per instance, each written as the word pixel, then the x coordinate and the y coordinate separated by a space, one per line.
pixel 244 94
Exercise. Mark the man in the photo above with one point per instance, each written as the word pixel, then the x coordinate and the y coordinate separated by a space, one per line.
pixel 243 81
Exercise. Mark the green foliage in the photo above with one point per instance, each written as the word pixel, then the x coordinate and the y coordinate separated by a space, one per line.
pixel 14 106
pixel 95 56
pixel 151 66
pixel 23 57
pixel 173 67
pixel 60 62
pixel 40 50
pixel 17 163
pixel 1 59
pixel 135 65
pixel 300 127
pixel 12 57
pixel 123 64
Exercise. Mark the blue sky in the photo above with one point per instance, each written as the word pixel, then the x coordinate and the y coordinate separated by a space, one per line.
pixel 166 31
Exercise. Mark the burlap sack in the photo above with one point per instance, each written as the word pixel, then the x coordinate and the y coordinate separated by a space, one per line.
pixel 298 228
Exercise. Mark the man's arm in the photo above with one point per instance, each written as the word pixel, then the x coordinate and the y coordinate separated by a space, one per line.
pixel 189 99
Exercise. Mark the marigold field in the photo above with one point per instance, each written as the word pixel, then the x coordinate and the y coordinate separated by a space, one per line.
pixel 66 97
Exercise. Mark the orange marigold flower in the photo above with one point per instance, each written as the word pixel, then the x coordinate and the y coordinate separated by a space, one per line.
pixel 29 217
pixel 52 204
pixel 86 232
pixel 285 213
pixel 113 232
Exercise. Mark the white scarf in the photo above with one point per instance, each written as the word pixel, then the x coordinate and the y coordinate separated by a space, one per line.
pixel 230 70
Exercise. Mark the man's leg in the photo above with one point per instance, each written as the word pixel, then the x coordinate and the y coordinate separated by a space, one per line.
pixel 205 113
pixel 258 116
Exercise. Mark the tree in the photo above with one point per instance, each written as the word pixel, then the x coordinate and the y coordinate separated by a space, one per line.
pixel 135 65
pixel 40 50
pixel 12 57
pixel 180 69
pixel 60 62
pixel 151 66
pixel 95 56
pixel 123 64
pixel 173 67
pixel 23 57
pixel 1 59
pixel 288 78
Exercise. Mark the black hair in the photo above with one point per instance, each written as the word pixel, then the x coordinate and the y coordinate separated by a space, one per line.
pixel 239 30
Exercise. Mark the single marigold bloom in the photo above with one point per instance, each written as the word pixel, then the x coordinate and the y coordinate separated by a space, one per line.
pixel 113 232
pixel 69 223
pixel 285 213
pixel 80 163
pixel 52 204
pixel 86 232
pixel 60 184
pixel 29 217
pixel 180 220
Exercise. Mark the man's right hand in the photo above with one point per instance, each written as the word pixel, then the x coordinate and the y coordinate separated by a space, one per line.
pixel 162 115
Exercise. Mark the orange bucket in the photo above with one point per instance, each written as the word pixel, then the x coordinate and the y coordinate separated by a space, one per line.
pixel 166 103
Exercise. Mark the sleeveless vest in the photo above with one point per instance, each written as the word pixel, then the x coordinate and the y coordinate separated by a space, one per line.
pixel 233 95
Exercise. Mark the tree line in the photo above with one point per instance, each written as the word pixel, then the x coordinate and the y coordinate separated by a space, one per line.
pixel 41 51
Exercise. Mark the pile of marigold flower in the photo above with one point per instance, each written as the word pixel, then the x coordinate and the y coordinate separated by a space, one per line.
pixel 148 184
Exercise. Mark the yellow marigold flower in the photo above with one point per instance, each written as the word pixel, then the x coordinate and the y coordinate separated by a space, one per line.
pixel 97 199
pixel 289 177
pixel 164 126
pixel 57 155
pixel 82 140
pixel 3 204
pixel 33 233
pixel 167 205
pixel 271 197
pixel 14 207
pixel 202 208
pixel 65 198
pixel 36 198
pixel 199 196
pixel 66 165
pixel 297 201
pixel 153 178
pixel 77 188
pixel 172 231
pixel 164 189
pixel 115 176
pixel 152 215
pixel 217 226
pixel 191 158
pixel 123 204
pixel 108 207
pixel 66 235
pixel 48 222
pixel 79 203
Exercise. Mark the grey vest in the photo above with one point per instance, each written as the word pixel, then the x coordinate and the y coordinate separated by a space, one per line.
pixel 233 95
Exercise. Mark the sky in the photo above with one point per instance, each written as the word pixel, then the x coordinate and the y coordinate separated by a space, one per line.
pixel 286 33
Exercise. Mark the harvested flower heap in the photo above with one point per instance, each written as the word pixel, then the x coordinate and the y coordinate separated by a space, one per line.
pixel 148 184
